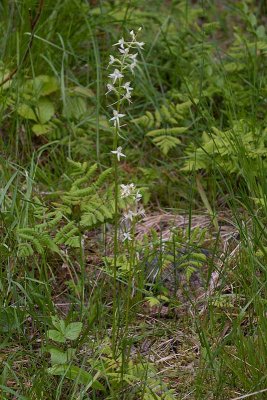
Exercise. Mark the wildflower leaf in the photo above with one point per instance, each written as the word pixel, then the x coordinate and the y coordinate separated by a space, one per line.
pixel 40 129
pixel 59 324
pixel 73 330
pixel 153 301
pixel 75 374
pixel 56 336
pixel 45 110
pixel 58 356
pixel 27 112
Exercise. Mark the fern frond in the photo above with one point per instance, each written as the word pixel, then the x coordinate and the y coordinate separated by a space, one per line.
pixel 25 250
pixel 85 179
pixel 167 131
pixel 165 121
pixel 166 143
pixel 103 177
pixel 68 231
pixel 52 219
pixel 77 167
pixel 39 239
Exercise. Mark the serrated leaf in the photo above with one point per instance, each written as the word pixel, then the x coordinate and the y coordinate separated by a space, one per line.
pixel 27 112
pixel 165 143
pixel 56 336
pixel 59 324
pixel 58 356
pixel 61 357
pixel 73 330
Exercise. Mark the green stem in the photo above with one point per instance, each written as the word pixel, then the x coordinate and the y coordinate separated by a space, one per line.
pixel 116 227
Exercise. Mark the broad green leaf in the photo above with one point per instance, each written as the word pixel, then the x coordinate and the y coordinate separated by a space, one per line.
pixel 41 85
pixel 169 131
pixel 73 330
pixel 153 301
pixel 252 19
pixel 40 129
pixel 58 356
pixel 26 112
pixel 61 357
pixel 260 32
pixel 45 110
pixel 59 324
pixel 46 84
pixel 56 336
pixel 75 373
pixel 163 298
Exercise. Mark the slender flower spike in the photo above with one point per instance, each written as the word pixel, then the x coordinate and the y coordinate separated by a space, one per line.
pixel 119 153
pixel 116 118
pixel 126 236
pixel 116 75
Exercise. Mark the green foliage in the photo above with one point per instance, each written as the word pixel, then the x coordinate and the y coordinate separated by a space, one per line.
pixel 182 253
pixel 62 360
pixel 32 240
pixel 138 378
pixel 87 203
pixel 64 332
pixel 166 122
pixel 222 149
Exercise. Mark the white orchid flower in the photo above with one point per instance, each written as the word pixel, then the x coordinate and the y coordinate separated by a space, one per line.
pixel 116 118
pixel 126 236
pixel 116 75
pixel 118 153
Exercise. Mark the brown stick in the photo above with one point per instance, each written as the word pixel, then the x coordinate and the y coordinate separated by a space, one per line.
pixel 34 23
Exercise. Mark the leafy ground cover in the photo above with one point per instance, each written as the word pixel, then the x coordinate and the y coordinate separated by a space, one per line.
pixel 133 199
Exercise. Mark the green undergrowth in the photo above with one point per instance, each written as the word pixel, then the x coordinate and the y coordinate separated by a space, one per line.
pixel 196 144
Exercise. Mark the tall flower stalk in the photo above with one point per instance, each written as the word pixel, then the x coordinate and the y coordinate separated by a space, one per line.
pixel 123 64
